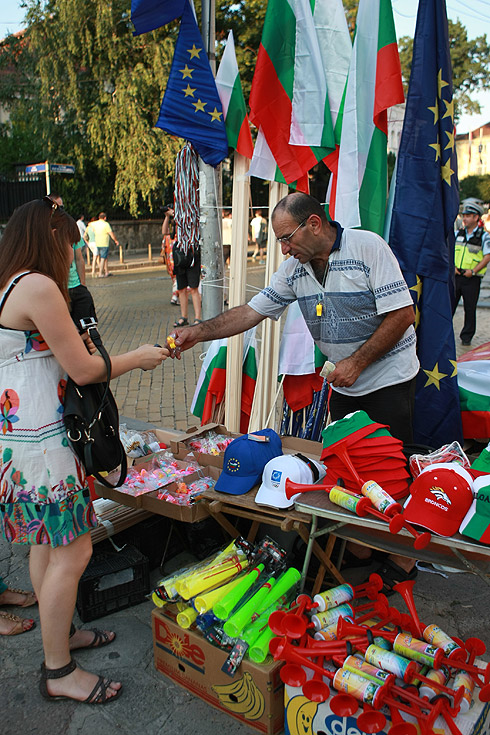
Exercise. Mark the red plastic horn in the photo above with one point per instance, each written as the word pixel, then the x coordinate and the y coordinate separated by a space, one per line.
pixel 399 725
pixel 370 720
pixel 370 588
pixel 344 705
pixel 405 589
pixel 294 624
pixel 292 675
pixel 293 488
pixel 315 689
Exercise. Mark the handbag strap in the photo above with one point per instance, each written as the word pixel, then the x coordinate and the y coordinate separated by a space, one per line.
pixel 96 339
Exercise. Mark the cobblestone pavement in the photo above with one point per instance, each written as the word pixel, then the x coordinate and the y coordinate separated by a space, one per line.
pixel 134 307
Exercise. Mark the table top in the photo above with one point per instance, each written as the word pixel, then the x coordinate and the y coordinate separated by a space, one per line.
pixel 318 503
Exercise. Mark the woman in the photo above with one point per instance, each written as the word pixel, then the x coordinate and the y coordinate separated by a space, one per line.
pixel 44 499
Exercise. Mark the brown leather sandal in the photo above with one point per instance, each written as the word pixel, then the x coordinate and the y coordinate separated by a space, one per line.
pixel 30 600
pixel 99 640
pixel 22 625
pixel 98 695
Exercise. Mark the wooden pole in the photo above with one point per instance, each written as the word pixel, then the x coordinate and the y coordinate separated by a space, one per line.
pixel 266 386
pixel 238 270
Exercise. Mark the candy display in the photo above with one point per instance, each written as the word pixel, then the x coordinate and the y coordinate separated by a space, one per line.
pixel 189 494
pixel 210 443
pixel 162 470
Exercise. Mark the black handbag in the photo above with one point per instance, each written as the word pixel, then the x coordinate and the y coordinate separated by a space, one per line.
pixel 182 260
pixel 91 419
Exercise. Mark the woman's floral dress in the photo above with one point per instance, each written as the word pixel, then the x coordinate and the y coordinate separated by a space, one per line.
pixel 44 498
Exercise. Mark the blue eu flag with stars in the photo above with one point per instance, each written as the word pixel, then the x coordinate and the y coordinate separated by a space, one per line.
pixel 148 15
pixel 191 107
pixel 421 232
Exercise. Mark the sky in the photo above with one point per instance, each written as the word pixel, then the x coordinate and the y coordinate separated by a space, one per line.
pixel 474 14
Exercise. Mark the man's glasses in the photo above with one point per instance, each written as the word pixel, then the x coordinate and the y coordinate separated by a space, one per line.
pixel 287 238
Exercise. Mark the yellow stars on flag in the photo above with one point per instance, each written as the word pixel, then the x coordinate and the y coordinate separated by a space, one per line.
pixel 446 171
pixel 417 289
pixel 199 105
pixel 194 52
pixel 434 377
pixel 215 115
pixel 454 363
pixel 186 72
pixel 189 91
pixel 437 147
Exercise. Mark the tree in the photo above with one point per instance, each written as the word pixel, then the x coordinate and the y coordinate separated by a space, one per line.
pixel 89 94
pixel 471 66
pixel 475 186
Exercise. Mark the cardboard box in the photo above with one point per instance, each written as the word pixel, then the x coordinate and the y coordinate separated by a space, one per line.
pixel 293 445
pixel 180 449
pixel 303 717
pixel 254 696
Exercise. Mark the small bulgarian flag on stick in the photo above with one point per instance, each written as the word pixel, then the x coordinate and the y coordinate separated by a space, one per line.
pixel 233 102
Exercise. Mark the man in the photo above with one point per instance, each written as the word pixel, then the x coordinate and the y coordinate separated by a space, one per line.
pixel 259 235
pixel 356 305
pixel 471 255
pixel 103 231
pixel 82 228
pixel 359 311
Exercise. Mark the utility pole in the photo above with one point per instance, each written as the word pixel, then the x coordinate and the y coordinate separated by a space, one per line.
pixel 210 199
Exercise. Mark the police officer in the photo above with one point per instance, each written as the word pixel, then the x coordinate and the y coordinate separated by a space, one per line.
pixel 471 255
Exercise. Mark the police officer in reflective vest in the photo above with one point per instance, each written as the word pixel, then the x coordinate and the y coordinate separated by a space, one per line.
pixel 471 255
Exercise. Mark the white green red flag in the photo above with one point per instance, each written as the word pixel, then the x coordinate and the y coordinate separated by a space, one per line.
pixel 211 384
pixel 474 392
pixel 271 97
pixel 374 84
pixel 300 361
pixel 233 102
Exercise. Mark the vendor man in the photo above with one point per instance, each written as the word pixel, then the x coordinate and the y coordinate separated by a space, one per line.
pixel 356 305
pixel 471 255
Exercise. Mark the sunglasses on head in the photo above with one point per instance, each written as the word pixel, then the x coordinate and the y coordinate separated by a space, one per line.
pixel 54 205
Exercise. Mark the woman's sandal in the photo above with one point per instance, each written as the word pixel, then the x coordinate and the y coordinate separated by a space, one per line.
pixel 196 321
pixel 22 625
pixel 100 639
pixel 30 600
pixel 98 695
pixel 182 322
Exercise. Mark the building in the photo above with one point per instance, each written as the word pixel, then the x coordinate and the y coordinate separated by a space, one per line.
pixel 473 151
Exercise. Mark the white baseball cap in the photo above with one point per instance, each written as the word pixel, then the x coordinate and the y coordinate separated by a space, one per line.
pixel 297 468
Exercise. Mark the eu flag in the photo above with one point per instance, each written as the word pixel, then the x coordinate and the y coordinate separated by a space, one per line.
pixel 421 233
pixel 147 15
pixel 191 107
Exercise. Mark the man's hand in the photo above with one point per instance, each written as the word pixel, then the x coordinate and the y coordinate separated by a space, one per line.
pixel 346 373
pixel 185 338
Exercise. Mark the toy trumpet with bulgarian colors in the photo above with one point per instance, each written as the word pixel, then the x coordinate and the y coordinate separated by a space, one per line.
pixel 369 503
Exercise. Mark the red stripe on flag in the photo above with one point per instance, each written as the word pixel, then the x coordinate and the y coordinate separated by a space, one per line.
pixel 248 389
pixel 475 424
pixel 216 387
pixel 332 163
pixel 389 87
pixel 244 144
pixel 270 109
pixel 298 389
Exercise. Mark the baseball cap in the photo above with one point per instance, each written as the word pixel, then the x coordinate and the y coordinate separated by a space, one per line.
pixel 440 498
pixel 476 522
pixel 472 208
pixel 288 466
pixel 245 459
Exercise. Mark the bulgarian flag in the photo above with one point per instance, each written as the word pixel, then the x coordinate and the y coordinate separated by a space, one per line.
pixel 374 84
pixel 233 102
pixel 300 361
pixel 210 388
pixel 474 392
pixel 271 97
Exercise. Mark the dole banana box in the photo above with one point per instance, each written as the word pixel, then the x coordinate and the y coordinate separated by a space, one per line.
pixel 254 695
pixel 303 717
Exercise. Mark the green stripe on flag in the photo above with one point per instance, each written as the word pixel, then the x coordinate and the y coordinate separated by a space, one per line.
pixel 372 194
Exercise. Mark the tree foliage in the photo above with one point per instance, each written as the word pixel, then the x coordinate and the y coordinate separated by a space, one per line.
pixel 89 93
pixel 475 186
pixel 470 61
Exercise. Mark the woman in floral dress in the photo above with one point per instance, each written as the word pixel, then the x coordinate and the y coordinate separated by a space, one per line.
pixel 44 498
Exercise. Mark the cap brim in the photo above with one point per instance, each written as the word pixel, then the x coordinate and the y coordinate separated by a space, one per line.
pixel 235 485
pixel 267 497
pixel 434 522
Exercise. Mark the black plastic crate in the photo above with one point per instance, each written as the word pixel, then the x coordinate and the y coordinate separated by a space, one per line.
pixel 113 580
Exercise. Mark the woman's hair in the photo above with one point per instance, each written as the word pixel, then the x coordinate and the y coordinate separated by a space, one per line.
pixel 36 238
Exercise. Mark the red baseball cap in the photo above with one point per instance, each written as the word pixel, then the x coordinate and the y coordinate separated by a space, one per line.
pixel 440 498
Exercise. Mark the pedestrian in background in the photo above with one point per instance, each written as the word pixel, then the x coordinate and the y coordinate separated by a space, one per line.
pixel 103 235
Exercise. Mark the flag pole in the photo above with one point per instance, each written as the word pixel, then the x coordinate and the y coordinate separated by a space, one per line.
pixel 238 269
pixel 265 389
pixel 210 198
